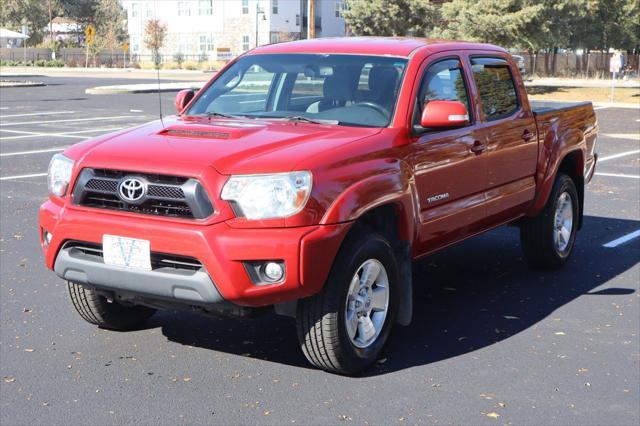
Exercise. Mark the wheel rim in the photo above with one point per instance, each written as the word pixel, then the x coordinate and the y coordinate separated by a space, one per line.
pixel 367 303
pixel 563 222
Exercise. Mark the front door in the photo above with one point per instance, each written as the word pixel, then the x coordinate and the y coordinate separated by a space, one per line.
pixel 450 172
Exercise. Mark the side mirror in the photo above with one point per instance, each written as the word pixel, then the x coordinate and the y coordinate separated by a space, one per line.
pixel 444 114
pixel 182 99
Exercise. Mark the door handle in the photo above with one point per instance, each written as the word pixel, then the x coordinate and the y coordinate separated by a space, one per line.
pixel 527 135
pixel 478 147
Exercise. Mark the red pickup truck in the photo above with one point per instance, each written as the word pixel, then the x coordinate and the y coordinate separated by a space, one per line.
pixel 307 176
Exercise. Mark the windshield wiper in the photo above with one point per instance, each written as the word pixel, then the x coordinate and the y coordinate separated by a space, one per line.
pixel 301 118
pixel 219 114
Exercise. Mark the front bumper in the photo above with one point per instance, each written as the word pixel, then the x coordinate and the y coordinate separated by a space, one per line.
pixel 308 253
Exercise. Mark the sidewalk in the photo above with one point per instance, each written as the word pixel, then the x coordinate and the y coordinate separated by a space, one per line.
pixel 145 88
pixel 577 82
pixel 120 73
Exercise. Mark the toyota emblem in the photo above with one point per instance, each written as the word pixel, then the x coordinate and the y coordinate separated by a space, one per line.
pixel 132 189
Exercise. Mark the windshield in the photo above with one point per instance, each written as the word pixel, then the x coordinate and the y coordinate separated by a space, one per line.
pixel 350 90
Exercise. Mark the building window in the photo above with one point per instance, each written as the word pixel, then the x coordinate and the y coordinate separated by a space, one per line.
pixel 206 43
pixel 297 20
pixel 134 10
pixel 340 8
pixel 274 7
pixel 245 42
pixel 184 43
pixel 205 7
pixel 184 8
pixel 135 43
pixel 274 38
pixel 148 10
pixel 245 7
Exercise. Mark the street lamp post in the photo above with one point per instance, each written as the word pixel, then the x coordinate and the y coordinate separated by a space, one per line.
pixel 264 18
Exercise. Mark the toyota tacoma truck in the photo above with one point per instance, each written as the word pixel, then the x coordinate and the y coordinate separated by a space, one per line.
pixel 305 178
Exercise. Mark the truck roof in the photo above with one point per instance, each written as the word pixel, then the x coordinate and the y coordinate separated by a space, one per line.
pixel 394 46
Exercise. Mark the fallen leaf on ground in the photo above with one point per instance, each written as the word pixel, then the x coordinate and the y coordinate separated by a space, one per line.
pixel 493 415
pixel 29 350
pixel 9 379
pixel 187 379
pixel 560 333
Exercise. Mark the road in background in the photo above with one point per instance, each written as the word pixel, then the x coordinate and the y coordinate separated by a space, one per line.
pixel 492 342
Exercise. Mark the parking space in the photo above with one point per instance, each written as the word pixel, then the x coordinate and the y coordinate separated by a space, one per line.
pixel 492 342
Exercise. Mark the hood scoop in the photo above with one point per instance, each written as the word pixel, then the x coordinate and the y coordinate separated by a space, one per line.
pixel 191 133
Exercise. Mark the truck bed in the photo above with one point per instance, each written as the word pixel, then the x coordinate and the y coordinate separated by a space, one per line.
pixel 564 118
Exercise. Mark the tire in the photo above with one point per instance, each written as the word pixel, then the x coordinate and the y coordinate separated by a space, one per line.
pixel 546 241
pixel 96 309
pixel 322 327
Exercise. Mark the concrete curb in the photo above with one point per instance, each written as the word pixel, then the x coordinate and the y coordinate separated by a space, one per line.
pixel 592 83
pixel 625 105
pixel 145 88
pixel 6 84
pixel 21 75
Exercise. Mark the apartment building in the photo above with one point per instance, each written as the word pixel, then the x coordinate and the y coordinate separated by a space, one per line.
pixel 221 29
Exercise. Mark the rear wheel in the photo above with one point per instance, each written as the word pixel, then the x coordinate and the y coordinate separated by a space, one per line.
pixel 344 327
pixel 548 239
pixel 98 310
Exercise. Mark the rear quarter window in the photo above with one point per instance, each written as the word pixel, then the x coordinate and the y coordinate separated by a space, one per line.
pixel 496 87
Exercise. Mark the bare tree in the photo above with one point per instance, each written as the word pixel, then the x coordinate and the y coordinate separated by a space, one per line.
pixel 155 33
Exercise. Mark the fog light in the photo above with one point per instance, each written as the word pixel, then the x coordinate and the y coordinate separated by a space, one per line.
pixel 46 238
pixel 273 271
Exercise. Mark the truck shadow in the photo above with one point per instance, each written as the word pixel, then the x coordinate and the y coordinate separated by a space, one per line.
pixel 467 297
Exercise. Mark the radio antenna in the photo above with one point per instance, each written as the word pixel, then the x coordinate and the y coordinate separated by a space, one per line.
pixel 157 59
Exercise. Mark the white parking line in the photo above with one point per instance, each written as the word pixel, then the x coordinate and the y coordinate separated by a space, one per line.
pixel 60 134
pixel 622 154
pixel 629 136
pixel 38 113
pixel 617 175
pixel 623 239
pixel 34 134
pixel 40 151
pixel 23 176
pixel 115 117
pixel 3 108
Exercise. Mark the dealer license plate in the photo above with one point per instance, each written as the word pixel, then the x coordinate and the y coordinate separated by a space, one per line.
pixel 126 252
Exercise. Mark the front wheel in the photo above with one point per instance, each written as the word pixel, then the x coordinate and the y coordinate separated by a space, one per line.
pixel 97 309
pixel 548 239
pixel 344 327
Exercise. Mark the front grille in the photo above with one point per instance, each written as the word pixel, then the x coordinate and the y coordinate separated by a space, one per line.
pixel 166 195
pixel 158 260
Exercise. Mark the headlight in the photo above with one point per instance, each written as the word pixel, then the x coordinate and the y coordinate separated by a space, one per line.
pixel 268 196
pixel 59 174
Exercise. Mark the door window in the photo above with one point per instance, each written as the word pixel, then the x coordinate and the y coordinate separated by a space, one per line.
pixel 496 87
pixel 443 81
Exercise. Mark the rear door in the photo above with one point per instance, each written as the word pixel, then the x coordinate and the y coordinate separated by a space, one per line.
pixel 509 131
pixel 450 173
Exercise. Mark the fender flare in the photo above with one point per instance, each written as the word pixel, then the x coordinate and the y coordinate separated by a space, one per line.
pixel 395 187
pixel 556 148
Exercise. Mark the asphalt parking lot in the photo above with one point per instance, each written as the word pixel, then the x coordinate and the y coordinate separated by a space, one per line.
pixel 492 342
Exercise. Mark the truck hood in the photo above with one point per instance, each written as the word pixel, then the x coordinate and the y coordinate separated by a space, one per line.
pixel 231 146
